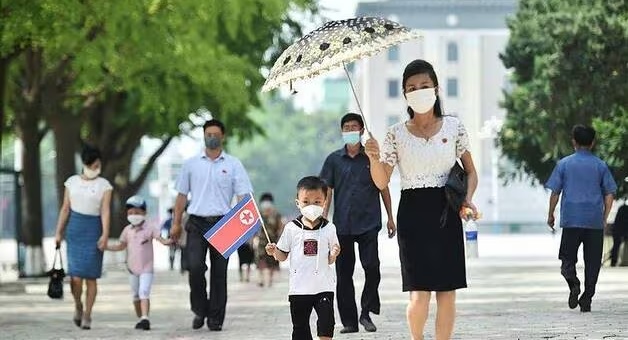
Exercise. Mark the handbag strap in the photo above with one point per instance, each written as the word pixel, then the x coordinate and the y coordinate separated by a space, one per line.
pixel 57 254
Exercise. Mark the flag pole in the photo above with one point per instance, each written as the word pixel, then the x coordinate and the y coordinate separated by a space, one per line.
pixel 260 218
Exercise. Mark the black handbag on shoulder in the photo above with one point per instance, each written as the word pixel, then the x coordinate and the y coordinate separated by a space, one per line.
pixel 455 190
pixel 55 286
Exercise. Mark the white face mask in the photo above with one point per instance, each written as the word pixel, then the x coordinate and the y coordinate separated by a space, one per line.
pixel 421 101
pixel 311 212
pixel 265 205
pixel 136 219
pixel 89 173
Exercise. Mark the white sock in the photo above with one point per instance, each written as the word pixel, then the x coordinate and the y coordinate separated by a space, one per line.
pixel 144 317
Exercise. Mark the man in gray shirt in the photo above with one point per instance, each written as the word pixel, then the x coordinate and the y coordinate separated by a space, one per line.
pixel 212 178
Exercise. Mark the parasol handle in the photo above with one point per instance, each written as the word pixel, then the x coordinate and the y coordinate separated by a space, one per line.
pixel 344 66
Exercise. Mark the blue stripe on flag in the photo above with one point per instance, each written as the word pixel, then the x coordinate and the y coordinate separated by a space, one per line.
pixel 221 223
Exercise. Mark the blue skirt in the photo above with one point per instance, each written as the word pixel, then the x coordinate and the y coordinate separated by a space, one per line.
pixel 84 257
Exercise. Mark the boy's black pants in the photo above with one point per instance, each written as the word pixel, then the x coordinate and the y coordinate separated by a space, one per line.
pixel 300 310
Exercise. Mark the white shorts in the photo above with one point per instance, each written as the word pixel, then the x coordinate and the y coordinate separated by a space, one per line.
pixel 140 285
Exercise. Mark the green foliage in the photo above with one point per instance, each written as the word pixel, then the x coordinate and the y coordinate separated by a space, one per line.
pixel 569 67
pixel 296 146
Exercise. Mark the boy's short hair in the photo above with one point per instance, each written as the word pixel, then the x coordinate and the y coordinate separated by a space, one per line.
pixel 583 135
pixel 312 183
pixel 136 202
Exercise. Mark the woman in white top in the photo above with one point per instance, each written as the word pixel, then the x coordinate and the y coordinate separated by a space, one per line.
pixel 85 210
pixel 425 147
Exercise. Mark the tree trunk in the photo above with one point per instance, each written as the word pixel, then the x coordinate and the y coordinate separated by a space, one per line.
pixel 32 230
pixel 66 137
pixel 4 66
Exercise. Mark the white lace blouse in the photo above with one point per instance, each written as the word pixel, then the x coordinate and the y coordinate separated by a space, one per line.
pixel 424 163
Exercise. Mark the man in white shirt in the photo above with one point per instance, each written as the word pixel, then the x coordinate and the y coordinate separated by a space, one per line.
pixel 212 178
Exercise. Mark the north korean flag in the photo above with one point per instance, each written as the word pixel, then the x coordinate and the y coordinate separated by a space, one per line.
pixel 236 227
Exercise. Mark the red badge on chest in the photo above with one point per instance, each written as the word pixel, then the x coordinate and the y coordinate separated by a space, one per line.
pixel 310 247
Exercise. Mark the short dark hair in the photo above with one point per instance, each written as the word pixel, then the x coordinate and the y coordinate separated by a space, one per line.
pixel 267 196
pixel 583 135
pixel 420 66
pixel 214 122
pixel 312 183
pixel 349 117
pixel 90 154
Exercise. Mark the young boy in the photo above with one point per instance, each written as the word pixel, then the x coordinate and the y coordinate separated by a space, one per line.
pixel 137 238
pixel 312 244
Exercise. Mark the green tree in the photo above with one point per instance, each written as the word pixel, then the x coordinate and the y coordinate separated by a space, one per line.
pixel 296 145
pixel 569 67
pixel 110 73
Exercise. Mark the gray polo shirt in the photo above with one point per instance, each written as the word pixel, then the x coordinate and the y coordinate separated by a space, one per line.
pixel 357 208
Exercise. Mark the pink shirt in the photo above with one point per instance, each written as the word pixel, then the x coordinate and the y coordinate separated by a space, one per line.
pixel 139 245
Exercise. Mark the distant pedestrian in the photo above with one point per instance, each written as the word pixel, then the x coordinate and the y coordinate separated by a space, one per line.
pixel 266 264
pixel 86 214
pixel 586 189
pixel 246 256
pixel 312 245
pixel 137 239
pixel 620 234
pixel 165 233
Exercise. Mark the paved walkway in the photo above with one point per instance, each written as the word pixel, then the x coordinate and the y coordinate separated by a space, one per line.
pixel 508 298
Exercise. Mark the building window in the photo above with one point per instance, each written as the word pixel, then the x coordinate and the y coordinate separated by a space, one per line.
pixel 393 53
pixel 452 52
pixel 452 87
pixel 393 88
pixel 392 120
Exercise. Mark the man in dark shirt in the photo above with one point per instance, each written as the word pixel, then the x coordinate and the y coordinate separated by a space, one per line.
pixel 357 216
pixel 586 188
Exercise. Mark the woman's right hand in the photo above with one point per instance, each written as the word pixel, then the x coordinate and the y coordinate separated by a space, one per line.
pixel 58 239
pixel 371 148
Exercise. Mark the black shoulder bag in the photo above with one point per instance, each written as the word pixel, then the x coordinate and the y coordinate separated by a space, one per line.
pixel 455 191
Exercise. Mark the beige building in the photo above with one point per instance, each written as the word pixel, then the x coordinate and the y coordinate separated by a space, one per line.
pixel 463 40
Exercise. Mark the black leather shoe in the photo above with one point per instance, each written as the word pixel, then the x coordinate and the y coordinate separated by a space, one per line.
pixel 574 292
pixel 216 328
pixel 349 329
pixel 368 324
pixel 585 305
pixel 198 322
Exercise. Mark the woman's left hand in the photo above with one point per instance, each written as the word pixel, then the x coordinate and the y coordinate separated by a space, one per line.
pixel 102 243
pixel 468 205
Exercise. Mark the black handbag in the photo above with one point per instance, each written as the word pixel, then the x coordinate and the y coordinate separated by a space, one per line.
pixel 455 191
pixel 55 286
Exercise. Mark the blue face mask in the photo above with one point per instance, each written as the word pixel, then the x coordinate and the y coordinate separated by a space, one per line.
pixel 351 137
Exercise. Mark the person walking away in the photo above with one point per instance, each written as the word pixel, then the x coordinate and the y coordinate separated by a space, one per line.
pixel 586 188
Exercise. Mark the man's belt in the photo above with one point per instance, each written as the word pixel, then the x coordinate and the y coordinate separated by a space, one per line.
pixel 210 219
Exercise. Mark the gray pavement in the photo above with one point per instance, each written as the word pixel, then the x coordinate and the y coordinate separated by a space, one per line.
pixel 507 298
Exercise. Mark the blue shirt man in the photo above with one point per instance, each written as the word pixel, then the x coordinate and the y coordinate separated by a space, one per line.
pixel 586 188
pixel 357 217
pixel 212 179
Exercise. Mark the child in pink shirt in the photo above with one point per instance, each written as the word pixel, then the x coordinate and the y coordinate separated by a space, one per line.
pixel 137 239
